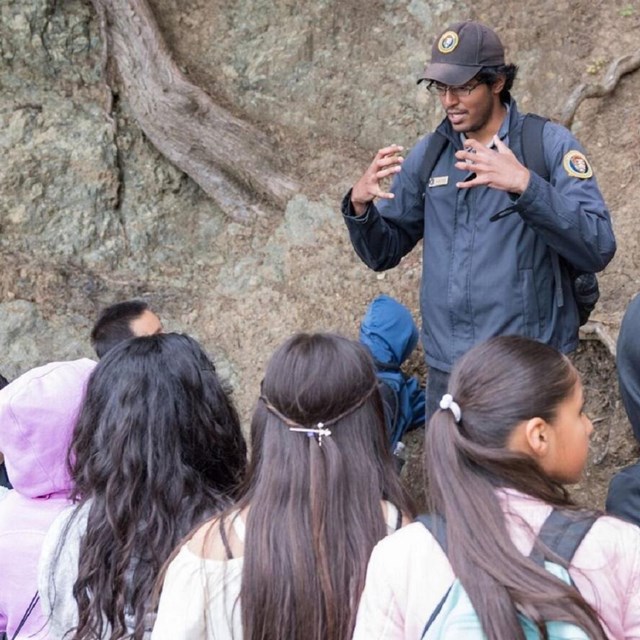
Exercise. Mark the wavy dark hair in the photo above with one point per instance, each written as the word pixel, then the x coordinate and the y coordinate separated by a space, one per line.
pixel 157 448
pixel 499 384
pixel 315 510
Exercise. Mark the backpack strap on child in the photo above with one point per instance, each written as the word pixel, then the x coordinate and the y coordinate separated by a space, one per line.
pixel 437 526
pixel 561 534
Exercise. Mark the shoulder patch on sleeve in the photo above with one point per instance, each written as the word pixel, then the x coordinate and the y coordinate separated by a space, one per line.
pixel 576 164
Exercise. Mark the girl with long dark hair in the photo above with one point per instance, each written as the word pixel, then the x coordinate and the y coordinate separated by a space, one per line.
pixel 157 449
pixel 510 434
pixel 289 559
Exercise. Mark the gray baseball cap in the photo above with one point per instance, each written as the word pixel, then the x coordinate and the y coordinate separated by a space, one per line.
pixel 460 51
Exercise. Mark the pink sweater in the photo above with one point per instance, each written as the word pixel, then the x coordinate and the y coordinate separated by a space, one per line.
pixel 38 411
pixel 408 574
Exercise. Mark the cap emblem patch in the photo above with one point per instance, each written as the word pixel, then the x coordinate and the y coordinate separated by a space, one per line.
pixel 448 42
pixel 576 165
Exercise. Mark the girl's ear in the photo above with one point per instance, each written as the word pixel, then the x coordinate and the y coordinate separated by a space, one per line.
pixel 537 434
pixel 530 437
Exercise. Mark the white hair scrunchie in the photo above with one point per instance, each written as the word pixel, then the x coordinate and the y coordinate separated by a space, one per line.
pixel 448 402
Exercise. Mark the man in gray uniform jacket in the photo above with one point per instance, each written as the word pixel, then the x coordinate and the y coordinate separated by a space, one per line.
pixel 499 240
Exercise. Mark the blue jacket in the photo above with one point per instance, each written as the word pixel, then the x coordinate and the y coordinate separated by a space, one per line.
pixel 390 334
pixel 623 497
pixel 481 278
pixel 628 364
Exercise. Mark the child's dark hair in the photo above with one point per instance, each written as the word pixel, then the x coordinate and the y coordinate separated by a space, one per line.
pixel 114 324
pixel 497 385
pixel 315 509
pixel 157 448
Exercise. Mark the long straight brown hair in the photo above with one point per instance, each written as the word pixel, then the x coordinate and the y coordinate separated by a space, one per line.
pixel 498 384
pixel 315 512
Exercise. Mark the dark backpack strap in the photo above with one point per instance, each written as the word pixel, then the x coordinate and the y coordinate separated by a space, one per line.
pixel 435 613
pixel 532 146
pixel 398 520
pixel 27 613
pixel 562 534
pixel 391 407
pixel 386 366
pixel 527 144
pixel 436 525
pixel 435 147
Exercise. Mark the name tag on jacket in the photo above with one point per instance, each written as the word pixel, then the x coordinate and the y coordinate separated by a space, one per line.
pixel 440 181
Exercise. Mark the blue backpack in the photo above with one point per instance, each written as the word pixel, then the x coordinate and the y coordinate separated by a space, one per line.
pixel 455 617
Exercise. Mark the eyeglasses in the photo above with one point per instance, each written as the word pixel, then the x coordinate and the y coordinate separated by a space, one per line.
pixel 463 90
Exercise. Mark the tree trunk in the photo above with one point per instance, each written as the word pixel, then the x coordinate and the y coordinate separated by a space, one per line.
pixel 231 160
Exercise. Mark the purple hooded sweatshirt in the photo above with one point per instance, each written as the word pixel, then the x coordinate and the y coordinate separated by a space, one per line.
pixel 38 411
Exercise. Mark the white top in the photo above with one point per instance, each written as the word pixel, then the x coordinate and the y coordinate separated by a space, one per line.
pixel 200 597
pixel 58 572
pixel 409 574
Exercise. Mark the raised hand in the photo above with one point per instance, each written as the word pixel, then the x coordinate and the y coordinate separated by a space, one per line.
pixel 386 163
pixel 497 168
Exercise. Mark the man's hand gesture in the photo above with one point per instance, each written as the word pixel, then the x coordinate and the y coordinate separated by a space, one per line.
pixel 386 163
pixel 497 168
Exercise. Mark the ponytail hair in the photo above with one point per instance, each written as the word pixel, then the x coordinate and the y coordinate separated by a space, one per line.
pixel 497 385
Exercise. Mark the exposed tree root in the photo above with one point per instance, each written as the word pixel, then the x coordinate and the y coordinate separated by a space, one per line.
pixel 593 330
pixel 618 68
pixel 229 158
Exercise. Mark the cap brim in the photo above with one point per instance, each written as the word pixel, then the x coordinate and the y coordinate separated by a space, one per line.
pixel 453 75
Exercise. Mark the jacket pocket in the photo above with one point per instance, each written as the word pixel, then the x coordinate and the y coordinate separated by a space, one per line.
pixel 530 307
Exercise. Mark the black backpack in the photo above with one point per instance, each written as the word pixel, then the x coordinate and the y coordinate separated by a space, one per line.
pixel 586 290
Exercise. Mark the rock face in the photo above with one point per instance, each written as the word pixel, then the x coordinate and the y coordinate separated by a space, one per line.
pixel 91 213
pixel 59 171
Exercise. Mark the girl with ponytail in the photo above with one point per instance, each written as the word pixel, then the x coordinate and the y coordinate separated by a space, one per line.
pixel 510 434
pixel 289 559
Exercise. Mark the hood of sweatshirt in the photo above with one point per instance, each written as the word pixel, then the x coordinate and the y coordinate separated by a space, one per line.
pixel 388 330
pixel 38 412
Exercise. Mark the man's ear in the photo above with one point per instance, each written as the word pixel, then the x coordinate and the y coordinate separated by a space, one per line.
pixel 498 85
pixel 537 433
